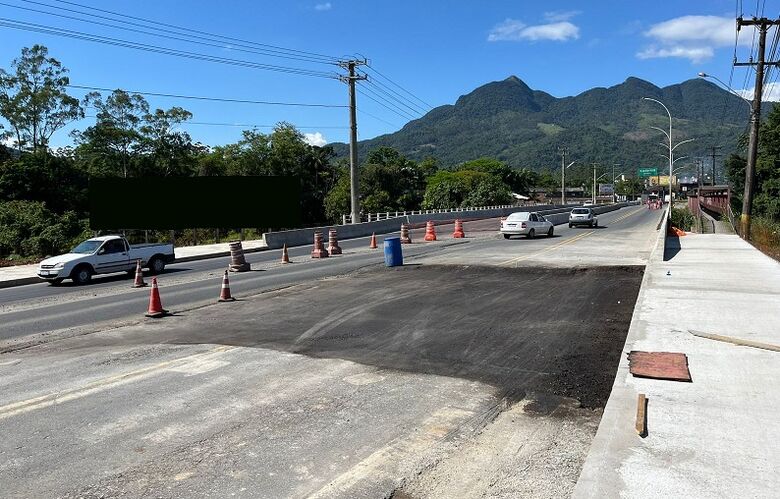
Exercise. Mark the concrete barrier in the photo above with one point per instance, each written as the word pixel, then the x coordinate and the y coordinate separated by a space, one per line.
pixel 298 237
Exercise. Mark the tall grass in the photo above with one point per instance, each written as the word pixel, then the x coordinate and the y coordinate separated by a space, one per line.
pixel 765 235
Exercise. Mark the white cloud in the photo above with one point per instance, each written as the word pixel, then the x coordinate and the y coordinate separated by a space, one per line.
pixel 314 139
pixel 561 15
pixel 771 92
pixel 695 54
pixel 512 30
pixel 323 6
pixel 691 37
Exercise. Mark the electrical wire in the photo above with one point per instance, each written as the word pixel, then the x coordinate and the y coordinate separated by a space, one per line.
pixel 196 31
pixel 159 32
pixel 378 73
pixel 53 30
pixel 214 99
pixel 367 92
pixel 390 97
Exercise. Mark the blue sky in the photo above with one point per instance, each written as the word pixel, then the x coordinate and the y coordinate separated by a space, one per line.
pixel 438 50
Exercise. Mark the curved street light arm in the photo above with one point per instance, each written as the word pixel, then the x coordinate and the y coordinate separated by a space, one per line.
pixel 681 143
pixel 661 130
pixel 746 101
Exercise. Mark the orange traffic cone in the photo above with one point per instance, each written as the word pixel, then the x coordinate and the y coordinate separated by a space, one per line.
pixel 373 245
pixel 430 232
pixel 285 255
pixel 458 234
pixel 139 276
pixel 155 306
pixel 224 294
pixel 405 239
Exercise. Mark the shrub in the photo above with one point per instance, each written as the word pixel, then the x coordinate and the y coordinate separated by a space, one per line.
pixel 682 218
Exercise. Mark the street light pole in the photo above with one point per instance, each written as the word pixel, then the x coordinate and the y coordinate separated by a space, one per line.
pixel 669 212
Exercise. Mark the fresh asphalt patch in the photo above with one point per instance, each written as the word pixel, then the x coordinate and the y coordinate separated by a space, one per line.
pixel 529 329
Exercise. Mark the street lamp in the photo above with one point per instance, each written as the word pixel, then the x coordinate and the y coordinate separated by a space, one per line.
pixel 668 136
pixel 594 183
pixel 705 75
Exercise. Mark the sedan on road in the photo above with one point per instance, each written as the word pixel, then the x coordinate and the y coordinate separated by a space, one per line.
pixel 524 223
pixel 583 216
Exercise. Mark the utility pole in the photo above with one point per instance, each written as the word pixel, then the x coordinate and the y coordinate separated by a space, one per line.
pixel 763 24
pixel 563 175
pixel 713 156
pixel 350 79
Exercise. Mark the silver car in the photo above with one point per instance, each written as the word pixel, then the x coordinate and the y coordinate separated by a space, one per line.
pixel 583 216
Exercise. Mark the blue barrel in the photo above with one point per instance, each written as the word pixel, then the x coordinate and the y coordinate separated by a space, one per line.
pixel 393 255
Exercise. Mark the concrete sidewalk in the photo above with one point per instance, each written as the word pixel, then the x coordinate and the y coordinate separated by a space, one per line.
pixel 19 275
pixel 713 437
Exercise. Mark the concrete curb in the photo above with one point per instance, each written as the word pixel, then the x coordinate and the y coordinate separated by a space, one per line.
pixel 22 281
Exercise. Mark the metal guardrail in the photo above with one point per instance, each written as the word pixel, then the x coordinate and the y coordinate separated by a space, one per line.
pixel 376 217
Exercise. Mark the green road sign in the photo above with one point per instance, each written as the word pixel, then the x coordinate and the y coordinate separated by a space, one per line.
pixel 648 172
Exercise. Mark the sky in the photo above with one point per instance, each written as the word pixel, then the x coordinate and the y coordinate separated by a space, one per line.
pixel 421 54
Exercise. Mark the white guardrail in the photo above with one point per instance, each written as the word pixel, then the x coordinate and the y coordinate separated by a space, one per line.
pixel 375 217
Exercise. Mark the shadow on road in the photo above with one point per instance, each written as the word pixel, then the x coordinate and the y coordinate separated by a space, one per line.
pixel 671 248
pixel 123 276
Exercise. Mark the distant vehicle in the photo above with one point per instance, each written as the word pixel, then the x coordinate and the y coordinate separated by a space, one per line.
pixel 526 223
pixel 104 255
pixel 588 203
pixel 583 216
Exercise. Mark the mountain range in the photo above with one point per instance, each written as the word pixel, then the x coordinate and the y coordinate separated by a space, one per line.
pixel 525 128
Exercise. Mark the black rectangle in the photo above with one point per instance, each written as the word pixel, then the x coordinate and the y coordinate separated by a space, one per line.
pixel 194 202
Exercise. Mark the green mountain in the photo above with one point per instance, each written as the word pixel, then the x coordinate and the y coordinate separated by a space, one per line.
pixel 524 127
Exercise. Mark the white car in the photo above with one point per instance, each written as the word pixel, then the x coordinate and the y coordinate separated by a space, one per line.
pixel 526 223
pixel 104 255
pixel 583 216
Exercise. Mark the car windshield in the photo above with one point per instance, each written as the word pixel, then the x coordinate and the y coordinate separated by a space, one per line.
pixel 580 211
pixel 88 246
pixel 518 216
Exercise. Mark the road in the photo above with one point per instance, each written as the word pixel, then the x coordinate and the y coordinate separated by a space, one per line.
pixel 347 380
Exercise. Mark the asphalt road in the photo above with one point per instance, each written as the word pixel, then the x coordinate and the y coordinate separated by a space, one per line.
pixel 333 378
pixel 348 386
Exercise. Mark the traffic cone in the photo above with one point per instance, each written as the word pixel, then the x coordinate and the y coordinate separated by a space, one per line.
pixel 458 234
pixel 139 276
pixel 319 250
pixel 430 231
pixel 224 294
pixel 405 239
pixel 285 255
pixel 333 243
pixel 155 306
pixel 373 245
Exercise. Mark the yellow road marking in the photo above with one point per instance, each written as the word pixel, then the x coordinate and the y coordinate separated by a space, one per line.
pixel 98 385
pixel 548 249
pixel 514 261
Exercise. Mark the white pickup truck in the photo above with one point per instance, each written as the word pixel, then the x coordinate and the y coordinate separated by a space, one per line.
pixel 104 255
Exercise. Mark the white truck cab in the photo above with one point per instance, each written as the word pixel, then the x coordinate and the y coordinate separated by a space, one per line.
pixel 104 255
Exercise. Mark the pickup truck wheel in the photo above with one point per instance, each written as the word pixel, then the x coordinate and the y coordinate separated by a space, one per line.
pixel 156 265
pixel 531 234
pixel 81 274
pixel 571 225
pixel 506 236
pixel 550 232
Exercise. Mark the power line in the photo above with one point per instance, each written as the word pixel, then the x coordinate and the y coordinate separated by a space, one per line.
pixel 385 103
pixel 215 99
pixel 53 30
pixel 398 97
pixel 402 103
pixel 210 42
pixel 201 32
pixel 248 125
pixel 377 118
pixel 371 68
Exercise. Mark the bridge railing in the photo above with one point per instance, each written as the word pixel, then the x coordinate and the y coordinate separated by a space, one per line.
pixel 376 217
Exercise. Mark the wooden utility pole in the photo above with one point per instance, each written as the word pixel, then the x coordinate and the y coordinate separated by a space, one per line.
pixel 350 80
pixel 563 176
pixel 763 24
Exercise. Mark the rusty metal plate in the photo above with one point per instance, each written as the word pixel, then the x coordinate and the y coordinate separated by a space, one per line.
pixel 659 365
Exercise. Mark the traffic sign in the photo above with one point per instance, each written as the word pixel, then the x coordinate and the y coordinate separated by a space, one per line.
pixel 648 172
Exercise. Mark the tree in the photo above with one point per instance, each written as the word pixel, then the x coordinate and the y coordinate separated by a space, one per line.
pixel 33 98
pixel 116 134
pixel 167 151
